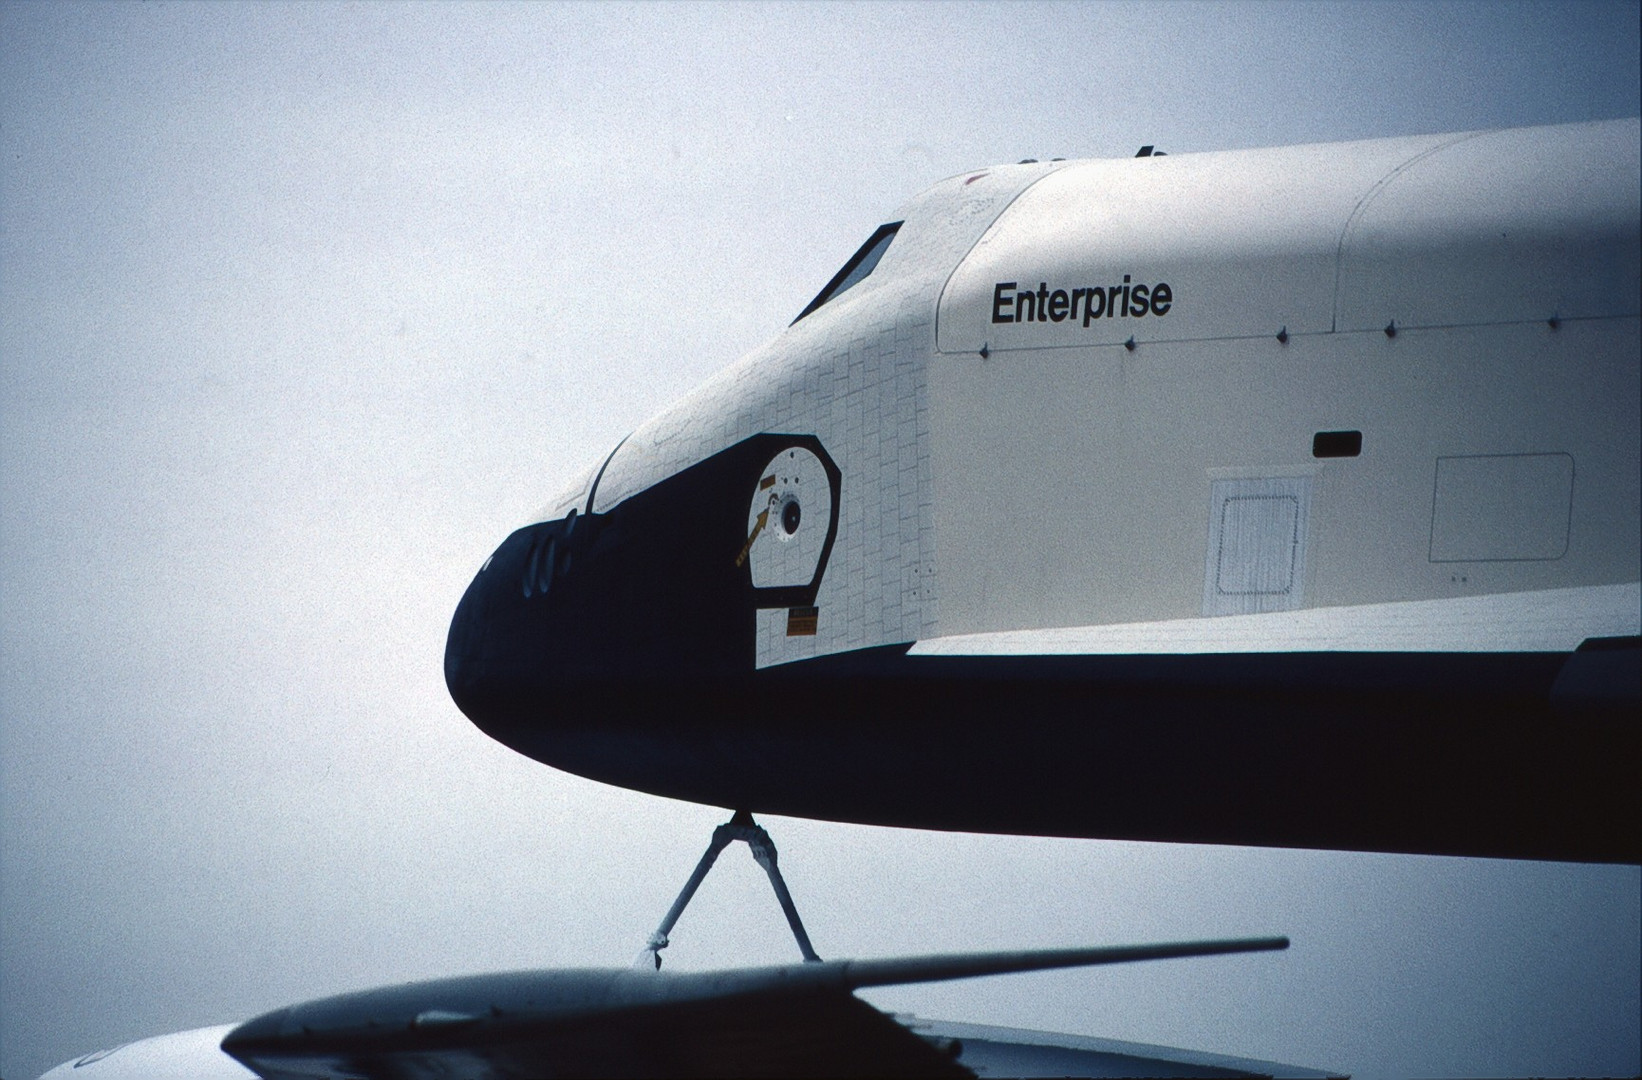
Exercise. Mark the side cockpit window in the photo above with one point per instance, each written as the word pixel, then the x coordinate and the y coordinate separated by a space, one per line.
pixel 859 266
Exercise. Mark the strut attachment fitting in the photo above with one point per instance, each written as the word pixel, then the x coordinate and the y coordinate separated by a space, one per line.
pixel 739 827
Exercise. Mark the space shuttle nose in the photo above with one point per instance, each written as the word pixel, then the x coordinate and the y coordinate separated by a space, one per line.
pixel 460 651
pixel 578 628
pixel 546 619
pixel 464 646
pixel 494 651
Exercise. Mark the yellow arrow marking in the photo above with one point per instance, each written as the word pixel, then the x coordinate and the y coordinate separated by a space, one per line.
pixel 767 482
pixel 763 517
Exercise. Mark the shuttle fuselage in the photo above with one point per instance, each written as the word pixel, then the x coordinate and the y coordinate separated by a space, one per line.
pixel 1283 497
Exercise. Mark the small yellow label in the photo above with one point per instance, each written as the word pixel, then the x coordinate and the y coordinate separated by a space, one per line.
pixel 801 621
pixel 763 516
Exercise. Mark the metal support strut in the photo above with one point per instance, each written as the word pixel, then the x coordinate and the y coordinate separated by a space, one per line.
pixel 739 827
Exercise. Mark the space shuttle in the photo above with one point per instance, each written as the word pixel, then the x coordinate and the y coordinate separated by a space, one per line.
pixel 1277 497
pixel 1285 497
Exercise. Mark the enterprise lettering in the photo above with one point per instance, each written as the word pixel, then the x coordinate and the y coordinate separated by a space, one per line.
pixel 1011 304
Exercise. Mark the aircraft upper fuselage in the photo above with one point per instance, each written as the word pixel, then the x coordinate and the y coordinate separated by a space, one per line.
pixel 1257 497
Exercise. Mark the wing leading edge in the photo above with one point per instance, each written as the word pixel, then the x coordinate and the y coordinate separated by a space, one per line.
pixel 792 1020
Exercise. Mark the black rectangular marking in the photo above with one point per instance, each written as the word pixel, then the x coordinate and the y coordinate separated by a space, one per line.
pixel 1326 444
pixel 801 621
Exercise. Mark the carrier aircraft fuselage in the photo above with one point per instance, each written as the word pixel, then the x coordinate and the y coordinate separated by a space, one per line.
pixel 1278 497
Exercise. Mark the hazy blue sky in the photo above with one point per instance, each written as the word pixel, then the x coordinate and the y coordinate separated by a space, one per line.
pixel 303 308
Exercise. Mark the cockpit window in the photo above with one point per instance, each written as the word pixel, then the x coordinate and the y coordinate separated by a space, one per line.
pixel 859 266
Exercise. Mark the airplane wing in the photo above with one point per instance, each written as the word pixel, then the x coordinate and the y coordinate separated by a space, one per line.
pixel 792 1020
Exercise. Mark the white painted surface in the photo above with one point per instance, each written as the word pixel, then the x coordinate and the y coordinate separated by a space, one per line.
pixel 1070 468
pixel 182 1055
pixel 1555 620
pixel 1247 240
pixel 1500 226
pixel 777 557
pixel 1502 507
pixel 1441 230
pixel 1257 545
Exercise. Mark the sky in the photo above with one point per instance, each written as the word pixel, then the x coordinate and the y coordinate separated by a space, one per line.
pixel 303 308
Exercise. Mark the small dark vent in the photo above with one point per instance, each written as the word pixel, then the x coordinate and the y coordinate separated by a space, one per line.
pixel 1336 444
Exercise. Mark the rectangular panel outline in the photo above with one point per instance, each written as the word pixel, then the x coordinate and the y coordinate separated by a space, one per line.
pixel 1568 530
